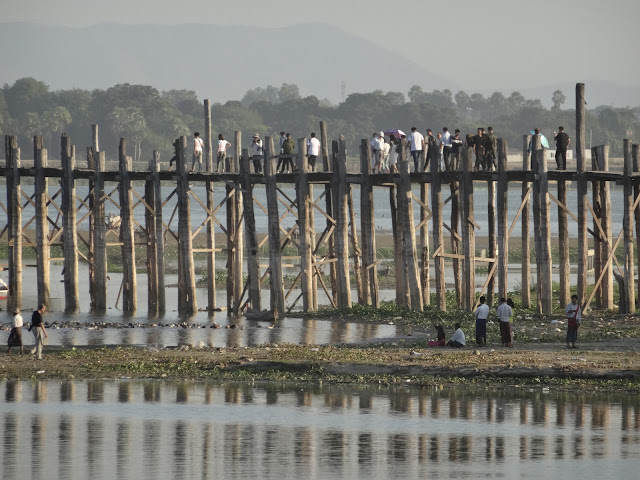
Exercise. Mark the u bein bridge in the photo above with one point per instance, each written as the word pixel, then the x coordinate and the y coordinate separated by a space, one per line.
pixel 350 254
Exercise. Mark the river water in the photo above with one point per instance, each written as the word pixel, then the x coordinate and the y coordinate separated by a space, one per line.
pixel 167 430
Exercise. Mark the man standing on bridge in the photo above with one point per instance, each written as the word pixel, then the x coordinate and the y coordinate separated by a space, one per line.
pixel 562 143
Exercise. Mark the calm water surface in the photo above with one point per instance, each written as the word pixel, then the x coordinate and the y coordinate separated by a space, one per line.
pixel 157 430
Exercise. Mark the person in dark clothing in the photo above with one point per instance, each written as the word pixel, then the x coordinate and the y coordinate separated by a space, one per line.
pixel 288 147
pixel 562 143
pixel 432 148
pixel 490 149
pixel 456 150
pixel 478 144
pixel 38 330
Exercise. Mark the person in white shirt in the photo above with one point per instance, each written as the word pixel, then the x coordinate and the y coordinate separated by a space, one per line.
pixel 446 147
pixel 386 149
pixel 504 315
pixel 458 339
pixel 15 337
pixel 376 152
pixel 198 145
pixel 573 313
pixel 313 150
pixel 222 153
pixel 416 140
pixel 482 314
pixel 256 153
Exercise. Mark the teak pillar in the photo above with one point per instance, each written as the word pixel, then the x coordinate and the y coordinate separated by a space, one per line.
pixel 99 240
pixel 42 223
pixel 187 303
pixel 368 231
pixel 340 201
pixel 14 223
pixel 275 250
pixel 129 279
pixel 69 232
pixel 525 277
pixel 503 207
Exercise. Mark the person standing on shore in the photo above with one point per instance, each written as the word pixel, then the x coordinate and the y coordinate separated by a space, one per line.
pixel 504 316
pixel 458 339
pixel 573 312
pixel 15 337
pixel 39 332
pixel 482 314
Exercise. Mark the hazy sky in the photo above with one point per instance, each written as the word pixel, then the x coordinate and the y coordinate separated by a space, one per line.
pixel 481 45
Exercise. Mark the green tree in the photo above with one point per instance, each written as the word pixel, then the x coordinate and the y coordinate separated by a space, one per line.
pixel 129 122
pixel 558 99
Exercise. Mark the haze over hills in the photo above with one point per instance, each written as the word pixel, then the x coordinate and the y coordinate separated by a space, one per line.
pixel 223 62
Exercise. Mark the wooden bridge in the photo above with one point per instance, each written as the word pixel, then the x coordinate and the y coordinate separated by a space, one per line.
pixel 328 193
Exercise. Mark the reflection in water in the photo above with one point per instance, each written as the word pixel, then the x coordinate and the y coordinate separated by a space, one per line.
pixel 130 429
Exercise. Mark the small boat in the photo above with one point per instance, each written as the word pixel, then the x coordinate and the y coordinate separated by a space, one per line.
pixel 263 316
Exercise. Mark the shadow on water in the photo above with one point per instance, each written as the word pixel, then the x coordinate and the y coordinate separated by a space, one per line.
pixel 152 429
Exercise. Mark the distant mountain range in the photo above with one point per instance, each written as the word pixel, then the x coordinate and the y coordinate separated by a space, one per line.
pixel 223 62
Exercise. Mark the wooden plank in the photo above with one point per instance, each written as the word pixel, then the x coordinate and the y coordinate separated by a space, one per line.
pixel 546 288
pixel 629 261
pixel 152 244
pixel 302 191
pixel 275 252
pixel 503 207
pixel 69 228
pixel 187 302
pixel 129 278
pixel 238 257
pixel 99 241
pixel 42 225
pixel 324 144
pixel 525 236
pixel 583 241
pixel 159 234
pixel 341 235
pixel 406 223
pixel 438 238
pixel 369 293
pixel 14 223
pixel 468 234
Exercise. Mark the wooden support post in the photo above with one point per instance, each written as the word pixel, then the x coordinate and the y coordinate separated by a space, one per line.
pixel 402 292
pixel 328 196
pixel 340 200
pixel 491 230
pixel 368 230
pixel 127 237
pixel 275 250
pixel 468 233
pixel 525 237
pixel 42 224
pixel 94 139
pixel 91 165
pixel 250 231
pixel 563 246
pixel 312 236
pixel 238 254
pixel 425 258
pixel 635 158
pixel 535 166
pixel 583 241
pixel 458 266
pixel 438 238
pixel 99 242
pixel 546 287
pixel 605 222
pixel 356 253
pixel 208 142
pixel 503 208
pixel 69 233
pixel 159 236
pixel 629 262
pixel 597 217
pixel 152 244
pixel 405 216
pixel 302 192
pixel 232 235
pixel 211 236
pixel 14 222
pixel 187 303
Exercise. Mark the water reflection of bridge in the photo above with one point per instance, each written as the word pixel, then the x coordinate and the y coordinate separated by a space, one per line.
pixel 152 429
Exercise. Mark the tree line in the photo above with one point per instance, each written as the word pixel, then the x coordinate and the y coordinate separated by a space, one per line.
pixel 152 119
